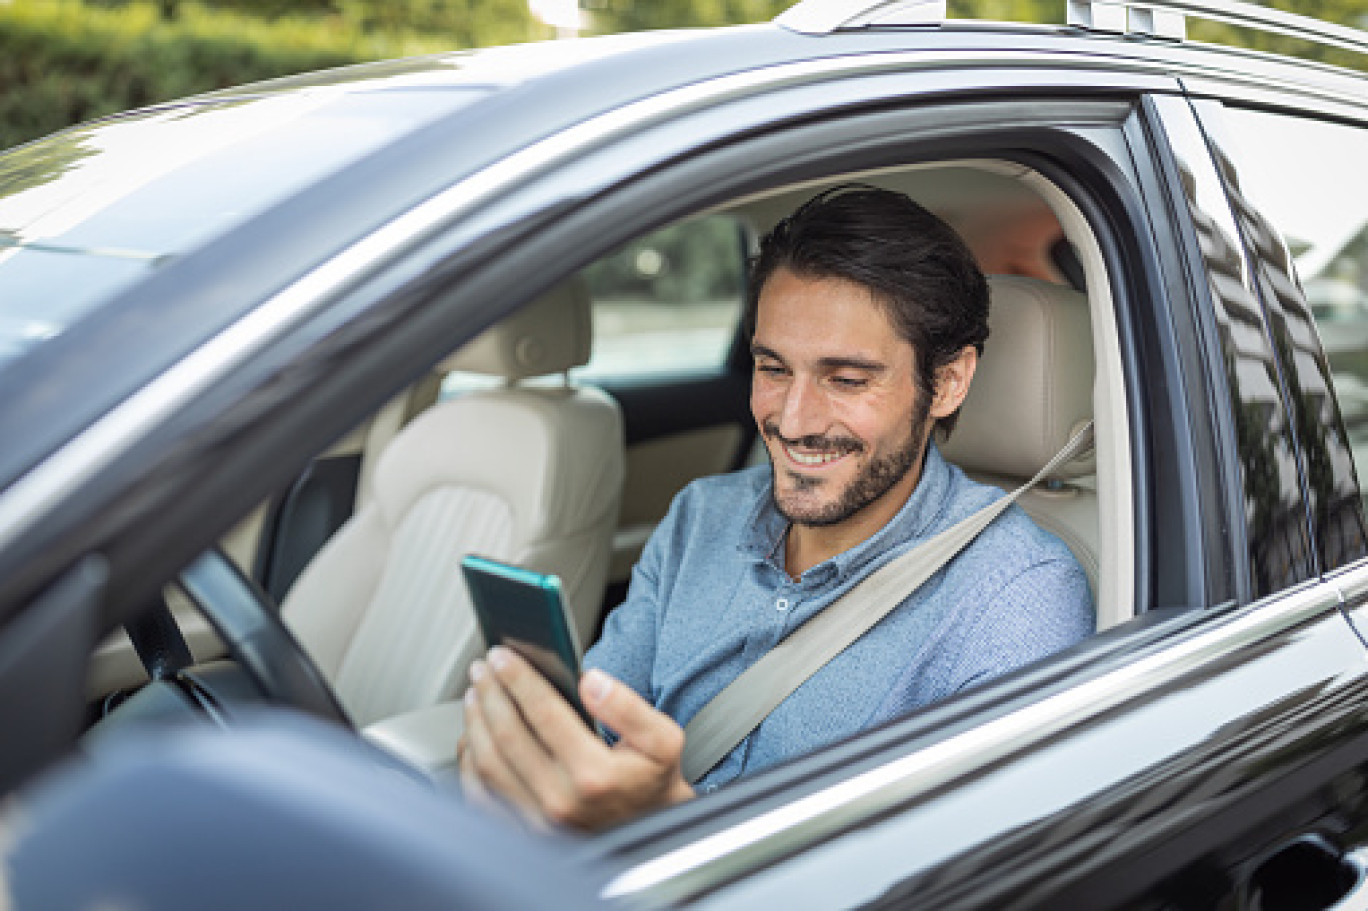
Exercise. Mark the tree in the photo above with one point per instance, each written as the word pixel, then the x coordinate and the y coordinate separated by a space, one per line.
pixel 637 15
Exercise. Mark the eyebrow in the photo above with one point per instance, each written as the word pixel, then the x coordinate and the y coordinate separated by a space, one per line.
pixel 758 350
pixel 833 362
pixel 852 363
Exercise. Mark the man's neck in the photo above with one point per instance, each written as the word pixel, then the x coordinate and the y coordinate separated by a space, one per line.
pixel 805 546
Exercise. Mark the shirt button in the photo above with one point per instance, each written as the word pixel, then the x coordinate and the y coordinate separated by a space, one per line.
pixel 782 604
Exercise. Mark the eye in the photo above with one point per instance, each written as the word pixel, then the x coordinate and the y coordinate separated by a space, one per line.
pixel 849 382
pixel 771 370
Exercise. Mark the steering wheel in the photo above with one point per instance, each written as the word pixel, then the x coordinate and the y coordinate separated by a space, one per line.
pixel 249 627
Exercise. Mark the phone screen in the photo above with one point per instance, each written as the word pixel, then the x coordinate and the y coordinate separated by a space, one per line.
pixel 525 611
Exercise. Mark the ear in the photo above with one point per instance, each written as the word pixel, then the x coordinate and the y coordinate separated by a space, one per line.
pixel 952 382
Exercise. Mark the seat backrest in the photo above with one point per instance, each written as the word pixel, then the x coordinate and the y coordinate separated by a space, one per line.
pixel 525 474
pixel 1032 391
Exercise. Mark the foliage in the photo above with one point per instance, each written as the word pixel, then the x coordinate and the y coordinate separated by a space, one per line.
pixel 1008 10
pixel 631 15
pixel 64 61
pixel 460 23
pixel 635 15
pixel 1353 13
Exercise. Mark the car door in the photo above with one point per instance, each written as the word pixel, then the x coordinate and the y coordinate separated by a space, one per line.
pixel 1211 750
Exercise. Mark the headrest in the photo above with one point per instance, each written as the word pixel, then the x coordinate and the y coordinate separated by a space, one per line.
pixel 549 335
pixel 1033 387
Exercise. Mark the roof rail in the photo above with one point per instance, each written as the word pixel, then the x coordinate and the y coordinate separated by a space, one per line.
pixel 1160 18
pixel 821 17
pixel 1165 18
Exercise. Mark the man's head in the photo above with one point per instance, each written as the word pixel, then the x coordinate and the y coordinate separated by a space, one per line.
pixel 867 315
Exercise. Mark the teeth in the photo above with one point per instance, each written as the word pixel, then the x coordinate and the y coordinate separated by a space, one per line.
pixel 819 459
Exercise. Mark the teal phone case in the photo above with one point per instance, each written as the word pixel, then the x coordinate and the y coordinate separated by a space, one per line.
pixel 525 611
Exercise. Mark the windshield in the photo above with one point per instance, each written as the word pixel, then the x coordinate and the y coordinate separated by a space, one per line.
pixel 88 212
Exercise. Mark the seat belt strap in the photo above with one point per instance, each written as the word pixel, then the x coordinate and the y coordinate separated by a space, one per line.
pixel 745 702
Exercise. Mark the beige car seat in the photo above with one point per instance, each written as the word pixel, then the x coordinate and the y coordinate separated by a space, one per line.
pixel 1032 391
pixel 526 474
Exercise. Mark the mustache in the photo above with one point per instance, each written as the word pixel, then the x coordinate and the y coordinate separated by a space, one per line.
pixel 814 441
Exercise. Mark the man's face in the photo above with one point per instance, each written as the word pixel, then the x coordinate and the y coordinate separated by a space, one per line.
pixel 835 397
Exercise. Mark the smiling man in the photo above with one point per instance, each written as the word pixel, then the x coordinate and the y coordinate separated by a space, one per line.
pixel 868 316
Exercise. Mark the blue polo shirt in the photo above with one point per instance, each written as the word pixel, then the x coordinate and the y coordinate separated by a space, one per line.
pixel 710 596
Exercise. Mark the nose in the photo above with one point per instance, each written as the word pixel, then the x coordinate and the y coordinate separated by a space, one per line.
pixel 802 413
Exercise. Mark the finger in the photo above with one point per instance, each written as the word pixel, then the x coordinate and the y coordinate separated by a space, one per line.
pixel 508 729
pixel 471 786
pixel 475 793
pixel 557 725
pixel 484 762
pixel 638 724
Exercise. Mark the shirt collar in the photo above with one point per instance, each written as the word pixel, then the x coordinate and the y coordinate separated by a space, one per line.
pixel 765 527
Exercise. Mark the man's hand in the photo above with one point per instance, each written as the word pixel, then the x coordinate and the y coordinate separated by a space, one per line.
pixel 524 742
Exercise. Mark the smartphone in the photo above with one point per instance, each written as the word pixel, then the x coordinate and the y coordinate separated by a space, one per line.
pixel 525 611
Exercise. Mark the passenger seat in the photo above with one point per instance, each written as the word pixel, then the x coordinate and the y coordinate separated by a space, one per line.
pixel 526 474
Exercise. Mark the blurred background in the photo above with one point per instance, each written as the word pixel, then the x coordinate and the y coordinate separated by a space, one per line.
pixel 65 61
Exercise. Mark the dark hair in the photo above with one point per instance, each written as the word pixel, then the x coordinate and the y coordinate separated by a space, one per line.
pixel 917 267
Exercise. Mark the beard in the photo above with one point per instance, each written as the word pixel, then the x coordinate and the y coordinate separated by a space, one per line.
pixel 875 478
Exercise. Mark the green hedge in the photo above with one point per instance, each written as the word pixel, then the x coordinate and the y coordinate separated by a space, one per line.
pixel 63 61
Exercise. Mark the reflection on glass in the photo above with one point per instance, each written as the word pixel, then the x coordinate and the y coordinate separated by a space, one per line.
pixel 1298 179
pixel 1279 540
pixel 86 210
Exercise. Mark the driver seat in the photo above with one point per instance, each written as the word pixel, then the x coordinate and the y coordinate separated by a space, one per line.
pixel 1032 392
pixel 525 474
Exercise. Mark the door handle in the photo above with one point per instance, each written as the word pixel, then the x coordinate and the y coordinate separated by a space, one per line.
pixel 1310 873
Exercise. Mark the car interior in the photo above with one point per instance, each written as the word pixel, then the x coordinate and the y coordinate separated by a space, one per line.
pixel 557 438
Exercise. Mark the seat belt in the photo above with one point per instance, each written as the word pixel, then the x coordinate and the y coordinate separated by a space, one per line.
pixel 745 702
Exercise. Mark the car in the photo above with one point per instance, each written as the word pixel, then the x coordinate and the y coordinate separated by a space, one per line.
pixel 305 342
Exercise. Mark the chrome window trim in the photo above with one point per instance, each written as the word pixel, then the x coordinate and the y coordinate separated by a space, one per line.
pixel 772 836
pixel 1350 581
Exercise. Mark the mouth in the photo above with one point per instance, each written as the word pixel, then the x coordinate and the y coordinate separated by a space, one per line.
pixel 813 459
pixel 813 452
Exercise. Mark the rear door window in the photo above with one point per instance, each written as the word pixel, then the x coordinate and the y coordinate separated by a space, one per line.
pixel 1305 176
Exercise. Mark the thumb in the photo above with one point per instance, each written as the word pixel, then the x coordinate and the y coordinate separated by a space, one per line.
pixel 638 724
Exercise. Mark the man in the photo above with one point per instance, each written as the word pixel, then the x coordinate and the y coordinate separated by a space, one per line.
pixel 868 316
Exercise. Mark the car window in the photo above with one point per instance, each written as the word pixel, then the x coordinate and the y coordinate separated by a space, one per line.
pixel 664 304
pixel 669 301
pixel 1306 177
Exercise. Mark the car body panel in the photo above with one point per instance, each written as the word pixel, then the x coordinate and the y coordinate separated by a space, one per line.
pixel 1205 732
